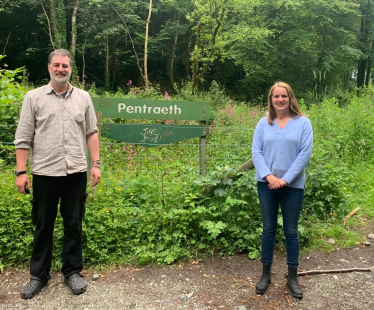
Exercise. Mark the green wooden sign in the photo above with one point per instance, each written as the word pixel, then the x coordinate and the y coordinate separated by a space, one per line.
pixel 152 135
pixel 152 109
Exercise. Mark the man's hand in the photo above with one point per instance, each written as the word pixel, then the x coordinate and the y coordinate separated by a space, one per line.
pixel 95 176
pixel 21 181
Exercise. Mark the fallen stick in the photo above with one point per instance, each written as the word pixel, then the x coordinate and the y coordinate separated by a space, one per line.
pixel 345 219
pixel 304 273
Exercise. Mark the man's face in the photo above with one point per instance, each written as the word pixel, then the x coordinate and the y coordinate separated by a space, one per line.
pixel 59 69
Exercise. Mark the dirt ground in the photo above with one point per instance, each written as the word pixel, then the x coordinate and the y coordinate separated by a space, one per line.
pixel 215 284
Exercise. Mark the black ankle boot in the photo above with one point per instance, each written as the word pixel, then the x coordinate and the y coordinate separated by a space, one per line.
pixel 294 286
pixel 265 279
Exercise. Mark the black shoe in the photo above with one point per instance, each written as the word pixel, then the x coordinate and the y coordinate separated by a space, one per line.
pixel 265 279
pixel 292 283
pixel 33 287
pixel 76 284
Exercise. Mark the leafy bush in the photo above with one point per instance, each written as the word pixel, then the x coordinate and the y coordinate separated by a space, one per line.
pixel 153 206
pixel 11 95
pixel 7 155
pixel 327 176
pixel 16 228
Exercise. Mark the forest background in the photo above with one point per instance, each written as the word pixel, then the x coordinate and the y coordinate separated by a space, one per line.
pixel 318 47
pixel 152 205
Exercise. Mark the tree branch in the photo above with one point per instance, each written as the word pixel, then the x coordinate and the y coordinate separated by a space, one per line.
pixel 6 43
pixel 304 273
pixel 345 219
pixel 146 81
pixel 49 24
pixel 132 42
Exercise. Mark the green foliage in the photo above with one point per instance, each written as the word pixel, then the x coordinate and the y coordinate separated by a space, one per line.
pixel 341 136
pixel 16 226
pixel 7 155
pixel 243 45
pixel 327 176
pixel 152 206
pixel 349 131
pixel 11 95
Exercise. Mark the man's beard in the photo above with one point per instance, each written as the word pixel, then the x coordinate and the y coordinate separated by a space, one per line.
pixel 60 79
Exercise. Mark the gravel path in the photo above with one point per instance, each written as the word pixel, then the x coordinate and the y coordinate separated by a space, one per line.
pixel 220 283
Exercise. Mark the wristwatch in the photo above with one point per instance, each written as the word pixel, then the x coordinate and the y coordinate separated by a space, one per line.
pixel 18 173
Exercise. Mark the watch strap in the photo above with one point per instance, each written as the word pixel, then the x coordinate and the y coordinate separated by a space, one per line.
pixel 18 173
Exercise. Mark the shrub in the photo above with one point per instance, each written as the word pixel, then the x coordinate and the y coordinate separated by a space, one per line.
pixel 153 206
pixel 11 95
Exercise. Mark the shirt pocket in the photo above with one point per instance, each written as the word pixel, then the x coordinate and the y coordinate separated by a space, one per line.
pixel 79 117
pixel 79 112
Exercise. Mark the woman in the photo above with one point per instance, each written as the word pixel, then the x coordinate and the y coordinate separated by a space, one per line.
pixel 281 149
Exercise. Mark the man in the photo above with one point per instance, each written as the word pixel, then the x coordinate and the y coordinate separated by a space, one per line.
pixel 57 120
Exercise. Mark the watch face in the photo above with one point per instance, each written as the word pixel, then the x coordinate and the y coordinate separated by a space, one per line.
pixel 18 173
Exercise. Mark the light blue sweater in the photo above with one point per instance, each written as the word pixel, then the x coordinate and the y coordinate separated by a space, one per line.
pixel 283 152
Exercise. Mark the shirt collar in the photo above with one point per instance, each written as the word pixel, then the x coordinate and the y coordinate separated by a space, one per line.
pixel 51 90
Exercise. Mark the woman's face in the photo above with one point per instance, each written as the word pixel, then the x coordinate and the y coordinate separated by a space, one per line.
pixel 280 99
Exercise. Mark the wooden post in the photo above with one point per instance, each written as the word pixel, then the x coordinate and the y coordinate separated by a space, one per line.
pixel 202 151
pixel 99 117
pixel 202 145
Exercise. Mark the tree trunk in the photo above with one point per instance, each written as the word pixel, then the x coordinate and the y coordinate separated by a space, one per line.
pixel 195 60
pixel 131 40
pixel 170 63
pixel 53 20
pixel 146 81
pixel 49 25
pixel 347 76
pixel 57 16
pixel 73 46
pixel 363 38
pixel 361 70
pixel 368 72
pixel 197 77
pixel 107 75
pixel 85 44
pixel 217 15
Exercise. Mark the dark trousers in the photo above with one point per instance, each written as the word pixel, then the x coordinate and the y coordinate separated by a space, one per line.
pixel 48 191
pixel 290 201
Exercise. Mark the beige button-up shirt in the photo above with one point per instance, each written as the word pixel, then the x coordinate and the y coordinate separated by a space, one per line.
pixel 55 129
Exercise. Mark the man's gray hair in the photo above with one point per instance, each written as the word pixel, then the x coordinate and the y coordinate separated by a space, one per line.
pixel 60 52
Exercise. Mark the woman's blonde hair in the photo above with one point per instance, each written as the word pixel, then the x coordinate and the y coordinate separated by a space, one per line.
pixel 294 105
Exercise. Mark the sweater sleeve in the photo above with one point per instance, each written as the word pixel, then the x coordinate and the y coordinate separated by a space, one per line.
pixel 257 151
pixel 304 155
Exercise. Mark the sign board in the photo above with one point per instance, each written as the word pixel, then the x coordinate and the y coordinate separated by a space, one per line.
pixel 152 109
pixel 151 135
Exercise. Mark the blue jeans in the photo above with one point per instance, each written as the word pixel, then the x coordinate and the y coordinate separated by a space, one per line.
pixel 290 200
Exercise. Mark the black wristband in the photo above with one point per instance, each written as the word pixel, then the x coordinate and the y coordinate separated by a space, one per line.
pixel 18 173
